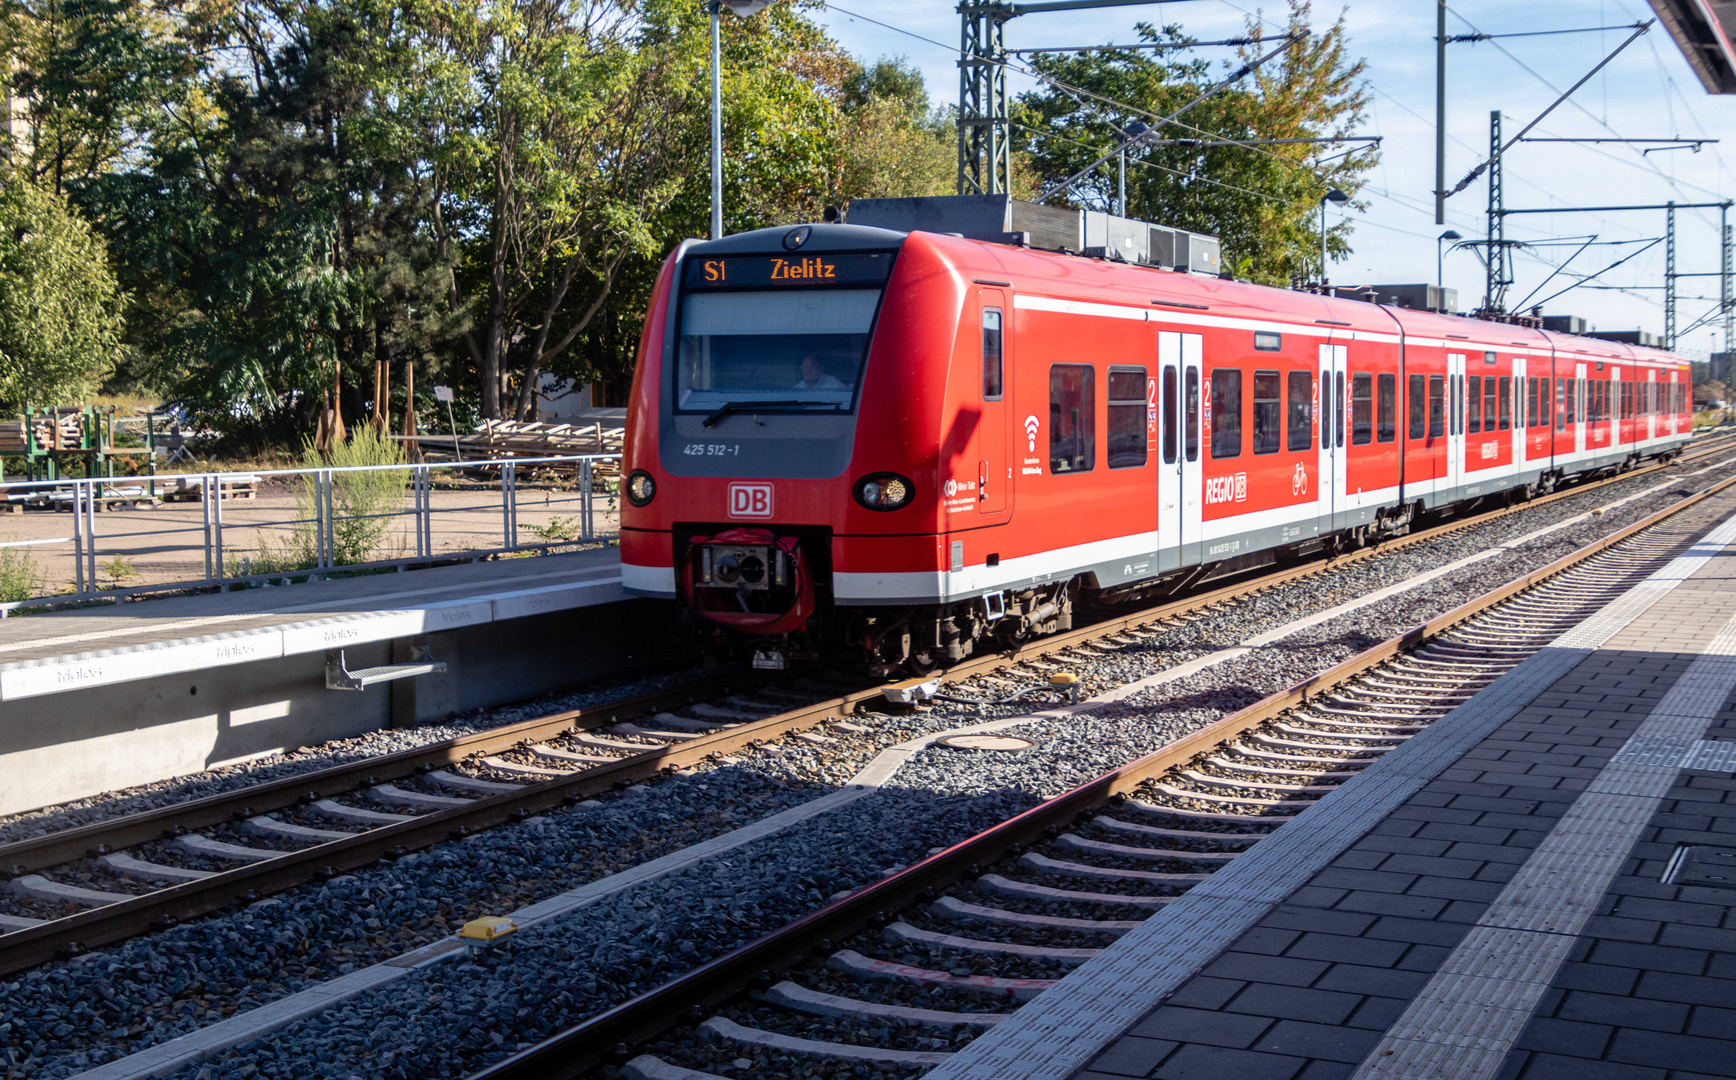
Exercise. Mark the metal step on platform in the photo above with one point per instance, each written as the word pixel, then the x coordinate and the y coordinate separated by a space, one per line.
pixel 339 677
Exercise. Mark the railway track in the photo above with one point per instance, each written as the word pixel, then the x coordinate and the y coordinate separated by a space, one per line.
pixel 898 975
pixel 182 861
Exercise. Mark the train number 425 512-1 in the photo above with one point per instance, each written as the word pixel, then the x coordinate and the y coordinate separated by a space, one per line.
pixel 711 450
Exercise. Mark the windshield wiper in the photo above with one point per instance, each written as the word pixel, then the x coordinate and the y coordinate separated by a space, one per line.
pixel 756 406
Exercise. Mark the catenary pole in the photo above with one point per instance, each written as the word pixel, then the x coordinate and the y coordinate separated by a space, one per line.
pixel 1441 112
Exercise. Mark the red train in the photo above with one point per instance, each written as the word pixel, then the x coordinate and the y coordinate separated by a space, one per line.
pixel 910 444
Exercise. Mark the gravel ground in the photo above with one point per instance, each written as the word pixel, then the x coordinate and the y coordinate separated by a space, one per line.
pixel 451 1018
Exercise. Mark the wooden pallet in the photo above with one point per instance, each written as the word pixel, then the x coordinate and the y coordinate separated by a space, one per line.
pixel 175 489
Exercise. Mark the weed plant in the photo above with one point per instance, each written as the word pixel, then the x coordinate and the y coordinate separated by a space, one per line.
pixel 360 501
pixel 19 577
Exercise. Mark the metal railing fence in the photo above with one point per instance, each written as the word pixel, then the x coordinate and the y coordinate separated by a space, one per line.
pixel 319 540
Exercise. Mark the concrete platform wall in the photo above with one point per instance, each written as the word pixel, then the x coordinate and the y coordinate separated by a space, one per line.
pixel 82 743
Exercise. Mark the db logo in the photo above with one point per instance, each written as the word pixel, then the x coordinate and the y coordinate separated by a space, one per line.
pixel 750 500
pixel 1299 482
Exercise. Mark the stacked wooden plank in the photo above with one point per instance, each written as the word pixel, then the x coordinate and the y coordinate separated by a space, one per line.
pixel 516 439
pixel 44 427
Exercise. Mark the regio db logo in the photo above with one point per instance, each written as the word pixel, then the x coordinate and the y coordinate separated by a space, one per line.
pixel 1223 489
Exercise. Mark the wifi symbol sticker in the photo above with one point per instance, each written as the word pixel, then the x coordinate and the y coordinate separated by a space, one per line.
pixel 1032 424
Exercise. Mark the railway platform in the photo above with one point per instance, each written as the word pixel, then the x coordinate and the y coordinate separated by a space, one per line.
pixel 1541 884
pixel 100 698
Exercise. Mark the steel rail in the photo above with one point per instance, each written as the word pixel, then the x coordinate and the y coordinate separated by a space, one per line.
pixel 592 1042
pixel 74 934
pixel 101 837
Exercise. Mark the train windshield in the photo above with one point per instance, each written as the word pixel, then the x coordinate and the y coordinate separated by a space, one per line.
pixel 798 351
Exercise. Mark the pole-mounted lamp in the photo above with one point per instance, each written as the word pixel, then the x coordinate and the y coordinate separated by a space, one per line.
pixel 1440 280
pixel 743 8
pixel 1332 196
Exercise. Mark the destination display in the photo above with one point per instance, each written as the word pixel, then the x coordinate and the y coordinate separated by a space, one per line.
pixel 798 271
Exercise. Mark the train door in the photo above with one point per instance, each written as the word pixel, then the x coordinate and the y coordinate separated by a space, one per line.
pixel 1615 408
pixel 1193 483
pixel 1181 483
pixel 1517 404
pixel 1330 393
pixel 1651 421
pixel 1455 471
pixel 994 467
pixel 1579 419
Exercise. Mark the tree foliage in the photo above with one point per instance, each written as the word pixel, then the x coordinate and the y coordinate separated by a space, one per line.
pixel 60 320
pixel 1262 201
pixel 317 209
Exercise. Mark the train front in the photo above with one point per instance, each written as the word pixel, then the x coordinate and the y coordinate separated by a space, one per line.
pixel 774 414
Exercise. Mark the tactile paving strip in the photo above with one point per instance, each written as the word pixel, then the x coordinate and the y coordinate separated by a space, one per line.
pixel 1705 755
pixel 1058 1033
pixel 1478 1004
pixel 1711 756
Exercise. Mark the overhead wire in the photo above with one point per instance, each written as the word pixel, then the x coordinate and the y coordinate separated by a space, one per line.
pixel 1081 92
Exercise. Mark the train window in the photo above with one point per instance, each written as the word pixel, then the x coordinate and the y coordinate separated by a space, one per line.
pixel 1531 401
pixel 1072 418
pixel 1506 402
pixel 1226 413
pixel 991 354
pixel 1437 406
pixel 1268 410
pixel 1489 406
pixel 1361 409
pixel 801 349
pixel 1474 422
pixel 1170 419
pixel 1301 413
pixel 1193 414
pixel 1325 411
pixel 1127 406
pixel 1572 400
pixel 1338 408
pixel 1560 404
pixel 1388 411
pixel 1540 401
pixel 1418 408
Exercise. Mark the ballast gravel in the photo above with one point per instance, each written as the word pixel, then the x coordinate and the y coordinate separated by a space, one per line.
pixel 450 1019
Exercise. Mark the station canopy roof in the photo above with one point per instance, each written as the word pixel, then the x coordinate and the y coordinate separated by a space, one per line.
pixel 1702 29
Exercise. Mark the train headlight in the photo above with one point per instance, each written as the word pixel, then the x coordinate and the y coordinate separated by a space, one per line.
pixel 884 491
pixel 641 489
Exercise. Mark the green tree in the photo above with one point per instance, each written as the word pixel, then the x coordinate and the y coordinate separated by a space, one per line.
pixel 60 305
pixel 891 145
pixel 1261 201
pixel 92 75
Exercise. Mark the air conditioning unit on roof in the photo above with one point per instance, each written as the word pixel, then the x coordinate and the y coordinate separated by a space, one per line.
pixel 1006 220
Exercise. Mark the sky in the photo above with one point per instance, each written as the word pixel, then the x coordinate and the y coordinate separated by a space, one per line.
pixel 1648 91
